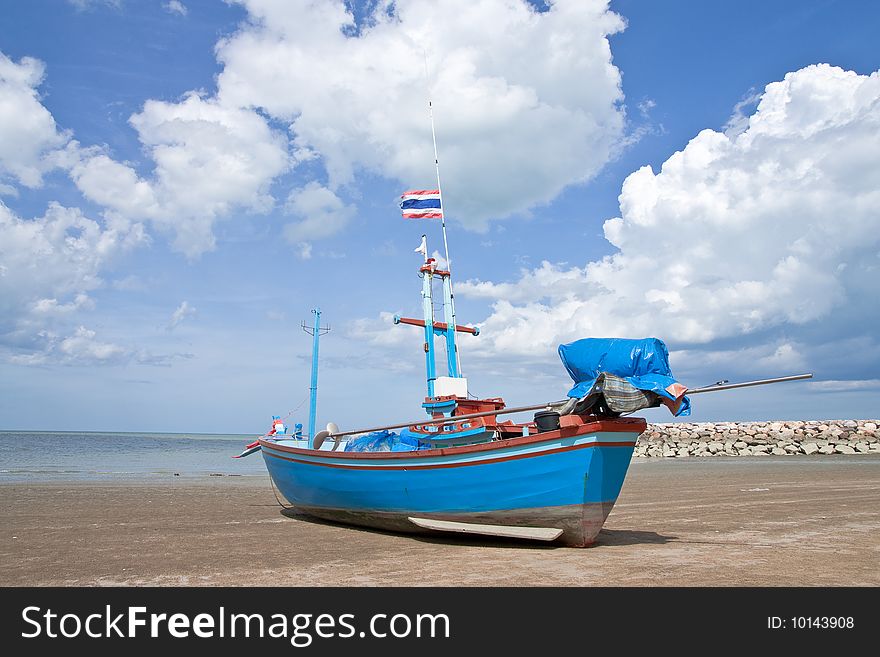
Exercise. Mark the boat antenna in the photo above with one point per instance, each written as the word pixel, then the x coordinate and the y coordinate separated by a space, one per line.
pixel 442 206
pixel 316 331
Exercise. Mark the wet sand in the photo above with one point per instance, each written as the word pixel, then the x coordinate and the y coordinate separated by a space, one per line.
pixel 772 521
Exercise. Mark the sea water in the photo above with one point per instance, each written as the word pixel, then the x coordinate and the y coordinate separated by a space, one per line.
pixel 60 456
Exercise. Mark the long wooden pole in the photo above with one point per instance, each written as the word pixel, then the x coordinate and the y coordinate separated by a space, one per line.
pixel 454 418
pixel 561 402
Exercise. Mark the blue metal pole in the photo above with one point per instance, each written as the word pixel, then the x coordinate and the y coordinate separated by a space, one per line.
pixel 428 310
pixel 451 351
pixel 313 389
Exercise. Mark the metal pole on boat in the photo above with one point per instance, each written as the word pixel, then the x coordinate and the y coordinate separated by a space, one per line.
pixel 747 384
pixel 428 311
pixel 451 341
pixel 316 332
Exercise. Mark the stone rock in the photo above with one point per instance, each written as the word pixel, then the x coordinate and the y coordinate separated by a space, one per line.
pixel 740 445
pixel 778 451
pixel 810 448
pixel 870 426
pixel 827 449
pixel 845 449
pixel 863 448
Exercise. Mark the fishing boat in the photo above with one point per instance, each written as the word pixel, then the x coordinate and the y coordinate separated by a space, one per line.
pixel 462 468
pixel 553 477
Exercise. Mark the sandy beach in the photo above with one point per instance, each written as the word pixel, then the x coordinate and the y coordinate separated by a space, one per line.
pixel 769 521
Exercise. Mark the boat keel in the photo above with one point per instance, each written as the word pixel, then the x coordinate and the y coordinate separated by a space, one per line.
pixel 577 525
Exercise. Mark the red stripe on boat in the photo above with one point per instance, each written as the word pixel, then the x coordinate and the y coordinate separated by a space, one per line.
pixel 410 466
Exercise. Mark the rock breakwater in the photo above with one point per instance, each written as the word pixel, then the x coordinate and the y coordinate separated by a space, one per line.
pixel 782 438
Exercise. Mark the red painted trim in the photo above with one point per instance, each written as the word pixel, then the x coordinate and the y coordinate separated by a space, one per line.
pixel 435 466
pixel 626 425
pixel 438 325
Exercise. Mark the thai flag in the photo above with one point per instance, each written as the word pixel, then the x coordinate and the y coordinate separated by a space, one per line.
pixel 421 204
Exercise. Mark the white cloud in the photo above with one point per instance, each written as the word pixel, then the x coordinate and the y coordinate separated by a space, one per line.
pixel 209 159
pixel 321 214
pixel 176 7
pixel 80 348
pixel 532 105
pixel 526 103
pixel 28 133
pixel 52 307
pixel 48 267
pixel 772 231
pixel 183 311
pixel 55 257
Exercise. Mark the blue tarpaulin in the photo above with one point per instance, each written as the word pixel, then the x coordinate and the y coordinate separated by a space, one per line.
pixel 643 363
pixel 384 441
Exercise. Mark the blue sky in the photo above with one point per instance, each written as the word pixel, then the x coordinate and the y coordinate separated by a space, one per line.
pixel 183 181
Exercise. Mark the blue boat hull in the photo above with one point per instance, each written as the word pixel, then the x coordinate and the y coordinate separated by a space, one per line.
pixel 570 482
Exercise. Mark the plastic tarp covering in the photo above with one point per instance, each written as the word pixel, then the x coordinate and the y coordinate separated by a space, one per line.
pixel 642 364
pixel 384 441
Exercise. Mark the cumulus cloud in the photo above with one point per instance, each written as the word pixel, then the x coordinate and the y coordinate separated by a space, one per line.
pixel 523 109
pixel 80 348
pixel 48 267
pixel 321 213
pixel 52 307
pixel 209 159
pixel 770 233
pixel 54 257
pixel 83 347
pixel 28 133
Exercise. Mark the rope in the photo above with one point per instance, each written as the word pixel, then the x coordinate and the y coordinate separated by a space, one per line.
pixel 271 482
pixel 295 409
pixel 275 493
